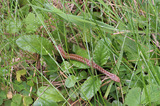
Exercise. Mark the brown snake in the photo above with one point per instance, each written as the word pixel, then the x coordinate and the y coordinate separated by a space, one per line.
pixel 86 61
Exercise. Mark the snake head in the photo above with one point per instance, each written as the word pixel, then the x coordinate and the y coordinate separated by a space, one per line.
pixel 115 78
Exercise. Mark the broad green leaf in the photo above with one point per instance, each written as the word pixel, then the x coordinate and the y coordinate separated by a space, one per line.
pixel 44 102
pixel 70 81
pixel 153 93
pixel 27 100
pixel 35 44
pixel 16 100
pixel 101 53
pixel 49 94
pixel 90 87
pixel 19 74
pixel 133 97
pixel 116 103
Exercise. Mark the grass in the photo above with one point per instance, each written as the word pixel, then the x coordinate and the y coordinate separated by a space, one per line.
pixel 121 36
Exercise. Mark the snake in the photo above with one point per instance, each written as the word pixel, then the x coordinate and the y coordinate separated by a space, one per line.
pixel 87 62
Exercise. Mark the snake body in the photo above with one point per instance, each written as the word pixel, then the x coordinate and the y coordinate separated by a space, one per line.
pixel 88 62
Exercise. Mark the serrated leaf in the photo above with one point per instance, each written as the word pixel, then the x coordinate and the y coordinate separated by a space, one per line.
pixel 32 22
pixel 30 19
pixel 133 97
pixel 90 87
pixel 101 53
pixel 35 44
pixel 154 93
pixel 49 94
pixel 70 81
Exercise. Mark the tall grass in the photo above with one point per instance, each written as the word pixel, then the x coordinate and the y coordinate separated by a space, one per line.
pixel 129 30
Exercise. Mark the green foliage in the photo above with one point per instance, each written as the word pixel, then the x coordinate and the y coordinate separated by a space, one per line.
pixel 35 44
pixel 137 97
pixel 48 96
pixel 32 22
pixel 133 97
pixel 101 53
pixel 73 95
pixel 82 75
pixel 27 100
pixel 13 26
pixel 117 103
pixel 81 52
pixel 154 94
pixel 2 97
pixel 90 87
pixel 121 36
pixel 16 100
pixel 42 101
pixel 66 66
pixel 70 81
pixel 130 47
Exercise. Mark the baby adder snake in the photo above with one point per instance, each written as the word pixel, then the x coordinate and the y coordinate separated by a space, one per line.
pixel 88 62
